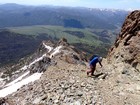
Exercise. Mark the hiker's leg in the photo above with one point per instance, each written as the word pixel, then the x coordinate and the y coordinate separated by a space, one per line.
pixel 89 71
pixel 93 69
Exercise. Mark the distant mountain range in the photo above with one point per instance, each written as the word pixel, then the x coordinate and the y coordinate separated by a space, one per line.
pixel 12 15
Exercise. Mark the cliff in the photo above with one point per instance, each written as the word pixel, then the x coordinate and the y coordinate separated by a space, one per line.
pixel 127 45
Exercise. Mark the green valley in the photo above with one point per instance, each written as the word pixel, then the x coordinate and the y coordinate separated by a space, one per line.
pixel 19 42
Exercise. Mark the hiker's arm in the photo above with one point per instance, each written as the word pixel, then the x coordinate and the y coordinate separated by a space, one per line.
pixel 100 64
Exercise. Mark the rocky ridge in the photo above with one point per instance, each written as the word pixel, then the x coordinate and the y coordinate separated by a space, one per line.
pixel 64 80
pixel 47 54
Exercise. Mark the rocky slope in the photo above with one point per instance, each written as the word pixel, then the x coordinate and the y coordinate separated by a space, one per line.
pixel 64 80
pixel 124 58
pixel 63 84
pixel 127 46
pixel 48 54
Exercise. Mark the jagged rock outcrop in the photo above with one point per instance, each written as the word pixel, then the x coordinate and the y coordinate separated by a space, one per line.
pixel 127 45
pixel 69 53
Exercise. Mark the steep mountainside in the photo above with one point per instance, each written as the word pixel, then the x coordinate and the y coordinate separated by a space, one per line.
pixel 124 65
pixel 127 45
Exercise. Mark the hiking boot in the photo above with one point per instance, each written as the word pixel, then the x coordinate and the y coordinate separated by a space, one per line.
pixel 87 73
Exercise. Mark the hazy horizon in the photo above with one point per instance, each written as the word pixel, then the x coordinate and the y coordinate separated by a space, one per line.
pixel 108 4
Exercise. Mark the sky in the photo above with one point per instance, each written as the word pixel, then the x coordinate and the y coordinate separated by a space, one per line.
pixel 110 4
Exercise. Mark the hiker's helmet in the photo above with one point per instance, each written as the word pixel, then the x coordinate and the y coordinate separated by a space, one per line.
pixel 100 59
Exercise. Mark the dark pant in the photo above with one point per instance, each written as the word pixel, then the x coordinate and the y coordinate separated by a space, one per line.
pixel 92 69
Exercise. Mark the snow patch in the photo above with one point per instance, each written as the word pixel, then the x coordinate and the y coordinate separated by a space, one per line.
pixel 14 86
pixel 56 51
pixel 19 82
pixel 36 60
pixel 1 79
pixel 24 68
pixel 48 47
pixel 18 79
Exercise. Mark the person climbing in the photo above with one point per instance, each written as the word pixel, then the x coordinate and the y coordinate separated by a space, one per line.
pixel 92 63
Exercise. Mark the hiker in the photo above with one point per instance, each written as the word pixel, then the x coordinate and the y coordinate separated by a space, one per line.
pixel 92 63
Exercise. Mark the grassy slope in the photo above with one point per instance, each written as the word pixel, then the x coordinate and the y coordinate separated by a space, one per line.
pixel 58 32
pixel 90 41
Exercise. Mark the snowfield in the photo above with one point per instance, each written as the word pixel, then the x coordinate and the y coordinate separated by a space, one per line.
pixel 13 86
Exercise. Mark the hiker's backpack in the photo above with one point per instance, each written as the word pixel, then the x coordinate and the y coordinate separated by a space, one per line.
pixel 93 56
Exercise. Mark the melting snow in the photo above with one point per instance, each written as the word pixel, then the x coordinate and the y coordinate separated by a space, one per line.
pixel 1 79
pixel 24 68
pixel 48 47
pixel 36 60
pixel 17 83
pixel 14 86
pixel 56 51
pixel 18 79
